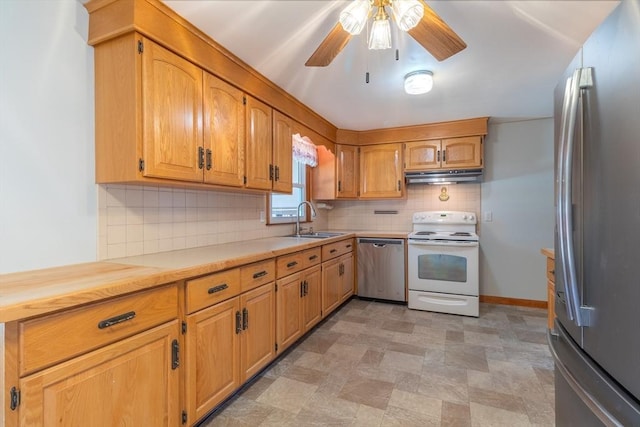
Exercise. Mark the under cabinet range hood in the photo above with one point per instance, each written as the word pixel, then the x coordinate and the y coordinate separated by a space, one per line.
pixel 444 177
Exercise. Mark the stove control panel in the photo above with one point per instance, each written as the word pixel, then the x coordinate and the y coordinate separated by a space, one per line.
pixel 444 217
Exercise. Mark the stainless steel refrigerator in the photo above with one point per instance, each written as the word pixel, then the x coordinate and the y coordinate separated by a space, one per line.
pixel 596 339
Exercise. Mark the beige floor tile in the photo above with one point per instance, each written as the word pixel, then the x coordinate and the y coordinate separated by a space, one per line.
pixel 375 364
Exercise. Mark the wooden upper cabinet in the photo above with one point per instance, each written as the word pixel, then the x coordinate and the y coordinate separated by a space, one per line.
pixel 422 155
pixel 347 165
pixel 381 174
pixel 282 153
pixel 462 153
pixel 451 153
pixel 258 165
pixel 224 132
pixel 172 112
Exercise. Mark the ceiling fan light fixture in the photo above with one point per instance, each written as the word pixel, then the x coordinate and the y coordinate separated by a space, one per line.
pixel 354 17
pixel 380 37
pixel 407 13
pixel 418 82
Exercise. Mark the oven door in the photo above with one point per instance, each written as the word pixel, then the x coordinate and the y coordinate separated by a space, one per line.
pixel 443 266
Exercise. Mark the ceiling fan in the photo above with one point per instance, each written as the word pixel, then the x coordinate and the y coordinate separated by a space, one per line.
pixel 412 16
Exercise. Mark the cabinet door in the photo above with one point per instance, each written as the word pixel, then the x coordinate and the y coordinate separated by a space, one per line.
pixel 282 153
pixel 459 153
pixel 347 170
pixel 259 165
pixel 132 382
pixel 172 115
pixel 381 171
pixel 224 132
pixel 422 155
pixel 312 300
pixel 347 278
pixel 289 311
pixel 331 285
pixel 258 338
pixel 212 356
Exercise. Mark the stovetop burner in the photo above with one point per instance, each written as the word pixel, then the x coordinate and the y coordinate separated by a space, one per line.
pixel 424 233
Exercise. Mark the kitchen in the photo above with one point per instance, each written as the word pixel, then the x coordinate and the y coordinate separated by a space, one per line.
pixel 72 213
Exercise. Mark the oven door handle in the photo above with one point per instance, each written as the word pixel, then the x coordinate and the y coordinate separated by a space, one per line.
pixel 457 243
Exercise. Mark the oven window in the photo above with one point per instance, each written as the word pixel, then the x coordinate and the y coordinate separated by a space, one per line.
pixel 449 268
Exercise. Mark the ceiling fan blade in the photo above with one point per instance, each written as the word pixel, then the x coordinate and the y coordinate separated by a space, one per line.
pixel 436 36
pixel 330 47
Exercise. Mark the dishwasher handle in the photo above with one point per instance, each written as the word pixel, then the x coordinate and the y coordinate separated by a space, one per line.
pixel 381 243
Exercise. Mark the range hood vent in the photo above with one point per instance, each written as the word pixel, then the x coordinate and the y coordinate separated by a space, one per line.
pixel 468 176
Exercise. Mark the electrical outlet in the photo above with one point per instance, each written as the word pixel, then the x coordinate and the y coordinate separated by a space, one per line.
pixel 262 217
pixel 487 216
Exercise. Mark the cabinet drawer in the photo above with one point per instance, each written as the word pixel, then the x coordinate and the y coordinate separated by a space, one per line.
pixel 333 250
pixel 256 274
pixel 213 288
pixel 57 337
pixel 289 264
pixel 311 257
pixel 551 269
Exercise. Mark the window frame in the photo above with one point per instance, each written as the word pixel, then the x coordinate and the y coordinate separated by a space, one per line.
pixel 307 196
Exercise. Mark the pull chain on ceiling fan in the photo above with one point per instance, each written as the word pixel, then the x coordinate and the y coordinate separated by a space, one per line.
pixel 412 16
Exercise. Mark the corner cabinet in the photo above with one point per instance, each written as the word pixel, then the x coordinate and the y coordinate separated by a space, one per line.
pixel 450 153
pixel 381 174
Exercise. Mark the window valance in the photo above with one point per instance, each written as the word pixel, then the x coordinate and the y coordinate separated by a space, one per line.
pixel 304 150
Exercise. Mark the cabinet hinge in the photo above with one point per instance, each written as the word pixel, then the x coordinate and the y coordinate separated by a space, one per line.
pixel 141 165
pixel 140 46
pixel 184 328
pixel 184 417
pixel 244 100
pixel 15 398
pixel 175 354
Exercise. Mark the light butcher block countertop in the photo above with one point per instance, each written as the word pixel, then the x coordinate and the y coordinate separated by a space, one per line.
pixel 37 292
pixel 548 252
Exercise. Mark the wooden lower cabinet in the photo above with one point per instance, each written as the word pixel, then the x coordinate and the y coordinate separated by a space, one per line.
pixel 298 305
pixel 226 344
pixel 213 356
pixel 337 282
pixel 131 382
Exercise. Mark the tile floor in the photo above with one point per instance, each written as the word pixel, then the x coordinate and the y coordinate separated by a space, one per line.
pixel 377 364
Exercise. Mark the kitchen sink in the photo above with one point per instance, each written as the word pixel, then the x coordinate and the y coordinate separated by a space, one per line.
pixel 318 235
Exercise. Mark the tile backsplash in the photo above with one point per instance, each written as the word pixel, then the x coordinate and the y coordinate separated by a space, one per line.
pixel 135 220
pixel 360 215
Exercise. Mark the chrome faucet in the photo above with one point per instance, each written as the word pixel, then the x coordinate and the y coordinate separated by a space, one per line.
pixel 313 215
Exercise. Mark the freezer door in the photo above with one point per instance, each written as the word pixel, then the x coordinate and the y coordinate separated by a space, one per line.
pixel 611 205
pixel 585 395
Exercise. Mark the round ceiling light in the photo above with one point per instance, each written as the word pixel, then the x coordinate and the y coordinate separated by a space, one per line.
pixel 418 82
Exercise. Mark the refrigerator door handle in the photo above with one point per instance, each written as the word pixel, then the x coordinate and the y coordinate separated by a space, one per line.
pixel 584 395
pixel 581 79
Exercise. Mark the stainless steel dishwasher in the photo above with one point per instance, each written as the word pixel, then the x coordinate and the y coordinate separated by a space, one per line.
pixel 381 269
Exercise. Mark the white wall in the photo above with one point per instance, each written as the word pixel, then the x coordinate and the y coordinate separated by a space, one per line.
pixel 47 190
pixel 518 191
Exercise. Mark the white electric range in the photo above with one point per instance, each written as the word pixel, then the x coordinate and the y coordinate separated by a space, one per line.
pixel 443 257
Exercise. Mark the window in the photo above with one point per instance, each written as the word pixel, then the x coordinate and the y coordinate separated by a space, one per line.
pixel 283 206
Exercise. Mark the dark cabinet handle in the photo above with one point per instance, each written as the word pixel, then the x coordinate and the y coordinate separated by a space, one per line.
pixel 238 322
pixel 245 319
pixel 339 186
pixel 333 251
pixel 259 274
pixel 209 160
pixel 438 156
pixel 218 288
pixel 117 319
pixel 552 271
pixel 301 289
pixel 306 288
pixel 175 355
pixel 349 246
pixel 399 185
pixel 312 257
pixel 444 156
pixel 200 157
pixel 292 264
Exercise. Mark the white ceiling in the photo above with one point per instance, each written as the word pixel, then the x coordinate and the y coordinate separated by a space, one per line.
pixel 516 51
